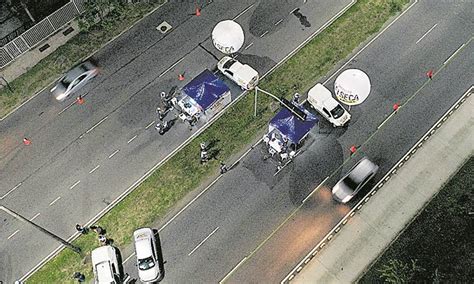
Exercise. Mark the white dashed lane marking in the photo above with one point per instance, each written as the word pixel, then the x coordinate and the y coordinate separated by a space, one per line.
pixel 202 242
pixel 75 184
pixel 10 191
pixel 94 169
pixel 113 154
pixel 14 233
pixel 131 139
pixel 422 37
pixel 54 201
pixel 34 217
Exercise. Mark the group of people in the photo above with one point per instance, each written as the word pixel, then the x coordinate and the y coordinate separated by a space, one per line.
pixel 167 103
pixel 97 229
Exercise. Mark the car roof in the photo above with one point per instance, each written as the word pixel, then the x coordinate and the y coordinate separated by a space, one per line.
pixel 143 238
pixel 74 72
pixel 361 170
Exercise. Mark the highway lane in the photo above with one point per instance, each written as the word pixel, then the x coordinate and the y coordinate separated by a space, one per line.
pixel 88 155
pixel 248 203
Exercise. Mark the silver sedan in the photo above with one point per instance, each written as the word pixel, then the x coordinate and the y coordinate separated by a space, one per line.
pixel 360 174
pixel 74 79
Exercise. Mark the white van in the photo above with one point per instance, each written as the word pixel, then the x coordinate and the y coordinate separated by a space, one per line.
pixel 242 74
pixel 105 265
pixel 321 100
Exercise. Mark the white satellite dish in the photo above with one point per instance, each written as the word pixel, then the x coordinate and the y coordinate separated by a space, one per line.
pixel 228 36
pixel 352 87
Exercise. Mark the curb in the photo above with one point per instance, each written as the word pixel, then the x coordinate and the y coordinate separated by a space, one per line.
pixel 377 187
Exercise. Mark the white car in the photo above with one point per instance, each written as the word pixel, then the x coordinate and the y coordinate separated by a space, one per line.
pixel 105 265
pixel 147 255
pixel 321 100
pixel 242 74
pixel 74 79
pixel 358 176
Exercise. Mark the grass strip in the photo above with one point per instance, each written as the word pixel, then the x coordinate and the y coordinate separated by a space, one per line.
pixel 438 246
pixel 233 131
pixel 67 55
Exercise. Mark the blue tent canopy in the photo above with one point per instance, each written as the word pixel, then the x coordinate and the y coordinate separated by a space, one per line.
pixel 291 126
pixel 205 89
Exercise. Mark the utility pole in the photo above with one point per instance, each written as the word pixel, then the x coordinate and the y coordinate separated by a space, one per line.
pixel 57 238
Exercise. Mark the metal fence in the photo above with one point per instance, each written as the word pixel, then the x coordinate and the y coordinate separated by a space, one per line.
pixel 40 31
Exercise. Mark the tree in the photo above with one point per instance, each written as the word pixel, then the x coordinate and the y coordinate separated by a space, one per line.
pixel 97 11
pixel 397 271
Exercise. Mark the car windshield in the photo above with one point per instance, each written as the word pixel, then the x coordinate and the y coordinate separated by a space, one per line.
pixel 228 64
pixel 350 183
pixel 66 81
pixel 337 111
pixel 146 263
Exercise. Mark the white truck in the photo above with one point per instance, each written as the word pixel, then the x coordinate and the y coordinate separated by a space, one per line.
pixel 322 101
pixel 242 74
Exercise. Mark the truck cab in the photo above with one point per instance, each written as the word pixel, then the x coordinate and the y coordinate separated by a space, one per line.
pixel 322 101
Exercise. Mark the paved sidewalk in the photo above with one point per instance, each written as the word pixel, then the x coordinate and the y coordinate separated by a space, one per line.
pixel 374 227
pixel 29 59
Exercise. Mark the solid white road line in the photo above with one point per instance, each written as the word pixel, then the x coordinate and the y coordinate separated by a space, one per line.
pixel 452 55
pixel 94 169
pixel 113 154
pixel 54 201
pixel 243 12
pixel 317 187
pixel 426 33
pixel 131 139
pixel 14 233
pixel 10 191
pixel 97 124
pixel 149 125
pixel 233 269
pixel 202 242
pixel 74 185
pixel 370 42
pixel 34 217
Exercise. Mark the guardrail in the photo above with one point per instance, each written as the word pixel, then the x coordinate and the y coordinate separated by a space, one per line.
pixel 376 188
pixel 40 31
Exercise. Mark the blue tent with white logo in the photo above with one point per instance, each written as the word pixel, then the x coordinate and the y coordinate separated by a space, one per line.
pixel 206 89
pixel 289 125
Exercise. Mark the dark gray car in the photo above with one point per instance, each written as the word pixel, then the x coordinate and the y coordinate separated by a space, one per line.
pixel 360 174
pixel 74 79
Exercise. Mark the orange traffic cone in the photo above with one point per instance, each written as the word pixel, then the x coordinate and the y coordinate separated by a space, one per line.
pixel 181 77
pixel 80 100
pixel 353 149
pixel 198 11
pixel 26 141
pixel 430 74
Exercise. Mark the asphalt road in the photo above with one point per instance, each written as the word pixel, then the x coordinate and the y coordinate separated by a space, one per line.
pixel 230 226
pixel 83 157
